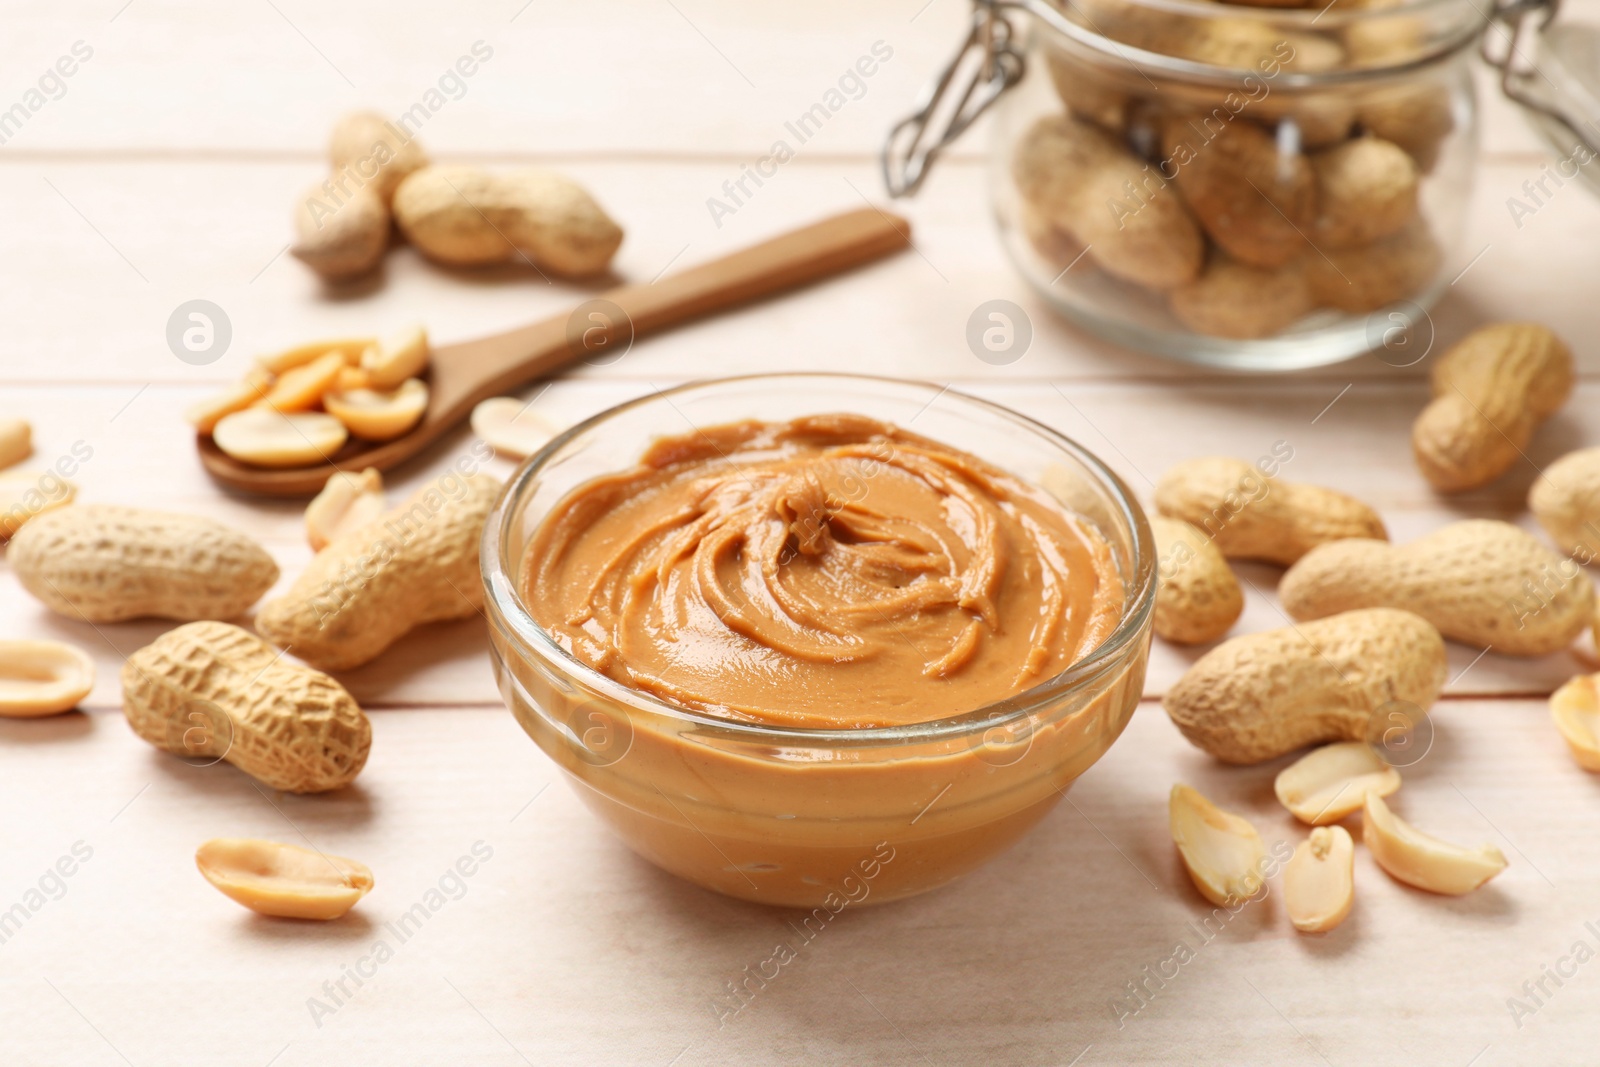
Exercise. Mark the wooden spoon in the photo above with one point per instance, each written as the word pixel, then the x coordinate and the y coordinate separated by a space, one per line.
pixel 462 375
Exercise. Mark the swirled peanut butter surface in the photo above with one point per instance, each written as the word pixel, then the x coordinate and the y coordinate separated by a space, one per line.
pixel 833 571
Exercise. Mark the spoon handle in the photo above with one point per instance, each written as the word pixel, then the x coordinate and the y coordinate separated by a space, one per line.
pixel 475 370
pixel 784 262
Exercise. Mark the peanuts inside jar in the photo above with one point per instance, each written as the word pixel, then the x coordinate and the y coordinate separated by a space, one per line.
pixel 1265 187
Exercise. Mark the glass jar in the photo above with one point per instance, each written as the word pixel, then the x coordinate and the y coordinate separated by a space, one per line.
pixel 1254 187
pixel 816 818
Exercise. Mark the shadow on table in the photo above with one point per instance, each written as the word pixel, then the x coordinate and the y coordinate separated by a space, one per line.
pixel 426 648
pixel 1087 933
pixel 223 785
pixel 48 730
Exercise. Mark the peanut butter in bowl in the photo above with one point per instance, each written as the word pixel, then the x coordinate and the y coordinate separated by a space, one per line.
pixel 830 571
pixel 771 651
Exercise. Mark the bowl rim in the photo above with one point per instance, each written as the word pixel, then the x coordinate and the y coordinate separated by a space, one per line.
pixel 506 610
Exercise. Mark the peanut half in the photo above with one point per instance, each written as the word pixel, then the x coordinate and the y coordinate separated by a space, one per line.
pixel 1252 516
pixel 1575 707
pixel 347 502
pixel 467 216
pixel 379 416
pixel 390 363
pixel 1483 582
pixel 16 441
pixel 1413 857
pixel 209 689
pixel 1319 880
pixel 373 585
pixel 42 678
pixel 298 356
pixel 205 414
pixel 24 494
pixel 299 388
pixel 266 438
pixel 1330 782
pixel 512 427
pixel 288 881
pixel 1222 852
pixel 106 563
pixel 1262 695
pixel 1198 599
pixel 1566 501
pixel 1491 391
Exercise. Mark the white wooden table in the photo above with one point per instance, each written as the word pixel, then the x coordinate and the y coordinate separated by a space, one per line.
pixel 165 172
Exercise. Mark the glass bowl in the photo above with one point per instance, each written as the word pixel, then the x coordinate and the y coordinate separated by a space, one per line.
pixel 816 818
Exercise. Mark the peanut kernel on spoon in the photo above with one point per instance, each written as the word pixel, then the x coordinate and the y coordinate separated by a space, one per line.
pixel 391 362
pixel 1330 782
pixel 287 881
pixel 1413 857
pixel 205 414
pixel 352 378
pixel 1223 852
pixel 267 438
pixel 379 416
pixel 1319 880
pixel 349 347
pixel 299 389
pixel 347 502
pixel 1575 707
